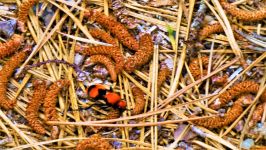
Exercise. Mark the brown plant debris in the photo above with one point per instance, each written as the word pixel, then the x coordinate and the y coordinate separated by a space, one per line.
pixel 10 46
pixel 113 51
pixel 141 57
pixel 219 80
pixel 229 117
pixel 55 132
pixel 23 13
pixel 33 106
pixel 164 72
pixel 192 47
pixel 235 91
pixel 107 62
pixel 115 27
pixel 113 114
pixel 210 29
pixel 160 3
pixel 50 99
pixel 5 75
pixel 244 15
pixel 216 28
pixel 120 12
pixel 257 114
pixel 102 35
pixel 94 142
pixel 194 67
pixel 140 101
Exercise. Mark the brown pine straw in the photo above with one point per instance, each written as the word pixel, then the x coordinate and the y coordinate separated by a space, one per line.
pixel 228 30
pixel 89 123
pixel 17 130
pixel 46 36
pixel 183 90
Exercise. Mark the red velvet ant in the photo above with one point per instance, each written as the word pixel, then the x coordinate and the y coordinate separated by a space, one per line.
pixel 99 91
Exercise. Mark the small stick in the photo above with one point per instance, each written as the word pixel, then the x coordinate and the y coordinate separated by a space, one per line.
pixel 176 94
pixel 126 125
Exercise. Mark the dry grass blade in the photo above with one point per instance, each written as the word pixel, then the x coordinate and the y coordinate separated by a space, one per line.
pixel 125 125
pixel 16 129
pixel 85 40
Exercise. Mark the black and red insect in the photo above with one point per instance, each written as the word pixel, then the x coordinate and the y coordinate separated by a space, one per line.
pixel 99 91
